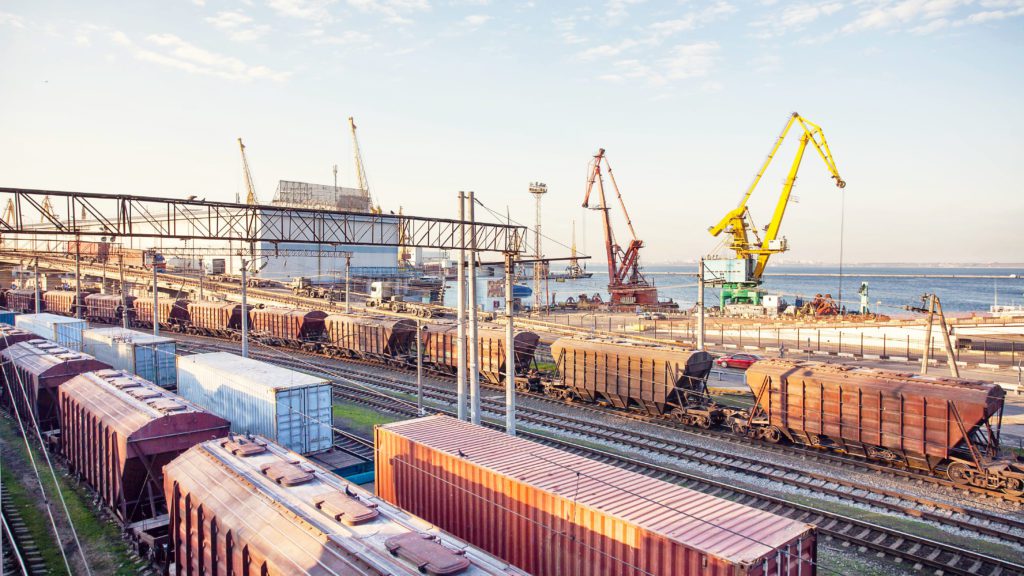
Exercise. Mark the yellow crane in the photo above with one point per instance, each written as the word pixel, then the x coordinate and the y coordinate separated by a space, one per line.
pixel 250 198
pixel 743 274
pixel 364 184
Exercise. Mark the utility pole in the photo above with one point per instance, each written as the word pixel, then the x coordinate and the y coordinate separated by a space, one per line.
pixel 538 189
pixel 419 367
pixel 510 349
pixel 348 282
pixel 156 303
pixel 124 298
pixel 460 306
pixel 38 296
pixel 473 340
pixel 700 305
pixel 935 305
pixel 245 313
pixel 930 298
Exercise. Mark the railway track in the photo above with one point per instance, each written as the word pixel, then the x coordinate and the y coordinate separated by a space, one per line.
pixel 21 556
pixel 904 547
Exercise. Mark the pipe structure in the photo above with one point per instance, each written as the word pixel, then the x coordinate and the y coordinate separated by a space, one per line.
pixel 700 306
pixel 38 296
pixel 474 341
pixel 124 293
pixel 245 313
pixel 78 276
pixel 460 307
pixel 156 304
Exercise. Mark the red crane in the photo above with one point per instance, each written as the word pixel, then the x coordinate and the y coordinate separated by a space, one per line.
pixel 626 283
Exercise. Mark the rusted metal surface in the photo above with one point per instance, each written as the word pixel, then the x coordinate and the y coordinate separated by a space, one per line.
pixel 653 378
pixel 118 431
pixel 25 300
pixel 33 372
pixel 109 308
pixel 278 326
pixel 228 517
pixel 378 337
pixel 441 350
pixel 551 513
pixel 171 312
pixel 215 318
pixel 9 336
pixel 873 413
pixel 65 302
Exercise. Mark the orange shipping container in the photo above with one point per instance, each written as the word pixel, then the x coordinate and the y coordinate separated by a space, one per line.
pixel 551 513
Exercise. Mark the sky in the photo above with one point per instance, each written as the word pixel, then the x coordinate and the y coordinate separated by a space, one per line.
pixel 920 101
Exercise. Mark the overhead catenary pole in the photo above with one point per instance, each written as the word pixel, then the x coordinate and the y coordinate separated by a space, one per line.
pixel 419 367
pixel 78 275
pixel 700 305
pixel 156 303
pixel 245 313
pixel 954 369
pixel 928 334
pixel 38 296
pixel 124 297
pixel 348 283
pixel 473 338
pixel 510 349
pixel 460 307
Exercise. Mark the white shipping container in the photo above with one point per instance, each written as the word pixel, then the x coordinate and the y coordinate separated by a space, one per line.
pixel 147 356
pixel 60 329
pixel 289 407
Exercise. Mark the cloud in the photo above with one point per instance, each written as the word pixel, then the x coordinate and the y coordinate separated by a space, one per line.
pixel 887 14
pixel 794 17
pixel 615 11
pixel 393 11
pixel 475 20
pixel 566 28
pixel 12 20
pixel 683 62
pixel 767 63
pixel 345 38
pixel 199 2
pixel 171 51
pixel 238 26
pixel 607 50
pixel 313 10
pixel 932 26
pixel 658 31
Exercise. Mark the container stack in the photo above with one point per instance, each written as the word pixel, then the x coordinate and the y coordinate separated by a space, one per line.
pixel 60 329
pixel 145 355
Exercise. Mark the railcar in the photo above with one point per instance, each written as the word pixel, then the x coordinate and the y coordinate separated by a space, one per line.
pixel 34 371
pixel 658 380
pixel 943 426
pixel 288 327
pixel 66 302
pixel 441 351
pixel 381 338
pixel 221 319
pixel 109 308
pixel 24 300
pixel 171 313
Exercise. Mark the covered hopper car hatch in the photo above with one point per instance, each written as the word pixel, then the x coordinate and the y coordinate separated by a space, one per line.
pixel 944 426
pixel 657 380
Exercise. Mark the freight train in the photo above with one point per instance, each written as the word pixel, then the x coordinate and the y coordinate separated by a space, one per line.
pixel 938 426
pixel 168 470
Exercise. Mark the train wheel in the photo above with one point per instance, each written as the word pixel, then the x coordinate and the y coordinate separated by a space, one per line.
pixel 959 472
pixel 1014 487
pixel 772 434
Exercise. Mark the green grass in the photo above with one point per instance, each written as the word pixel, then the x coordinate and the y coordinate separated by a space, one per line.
pixel 107 553
pixel 361 420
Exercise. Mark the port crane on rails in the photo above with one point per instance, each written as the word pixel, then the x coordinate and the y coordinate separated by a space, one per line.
pixel 626 283
pixel 251 198
pixel 742 274
pixel 364 183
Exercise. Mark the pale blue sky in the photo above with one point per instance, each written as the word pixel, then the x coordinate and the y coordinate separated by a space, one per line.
pixel 920 101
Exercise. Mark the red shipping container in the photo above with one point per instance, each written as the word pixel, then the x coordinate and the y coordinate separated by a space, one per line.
pixel 118 431
pixel 552 513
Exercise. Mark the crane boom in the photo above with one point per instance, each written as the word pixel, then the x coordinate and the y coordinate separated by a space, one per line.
pixel 364 183
pixel 746 242
pixel 626 283
pixel 250 197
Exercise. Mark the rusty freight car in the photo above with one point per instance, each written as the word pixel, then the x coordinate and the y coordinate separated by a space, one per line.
pixel 108 308
pixel 172 313
pixel 550 512
pixel 939 425
pixel 383 338
pixel 656 379
pixel 66 302
pixel 441 350
pixel 223 319
pixel 33 372
pixel 243 505
pixel 118 431
pixel 24 300
pixel 288 327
